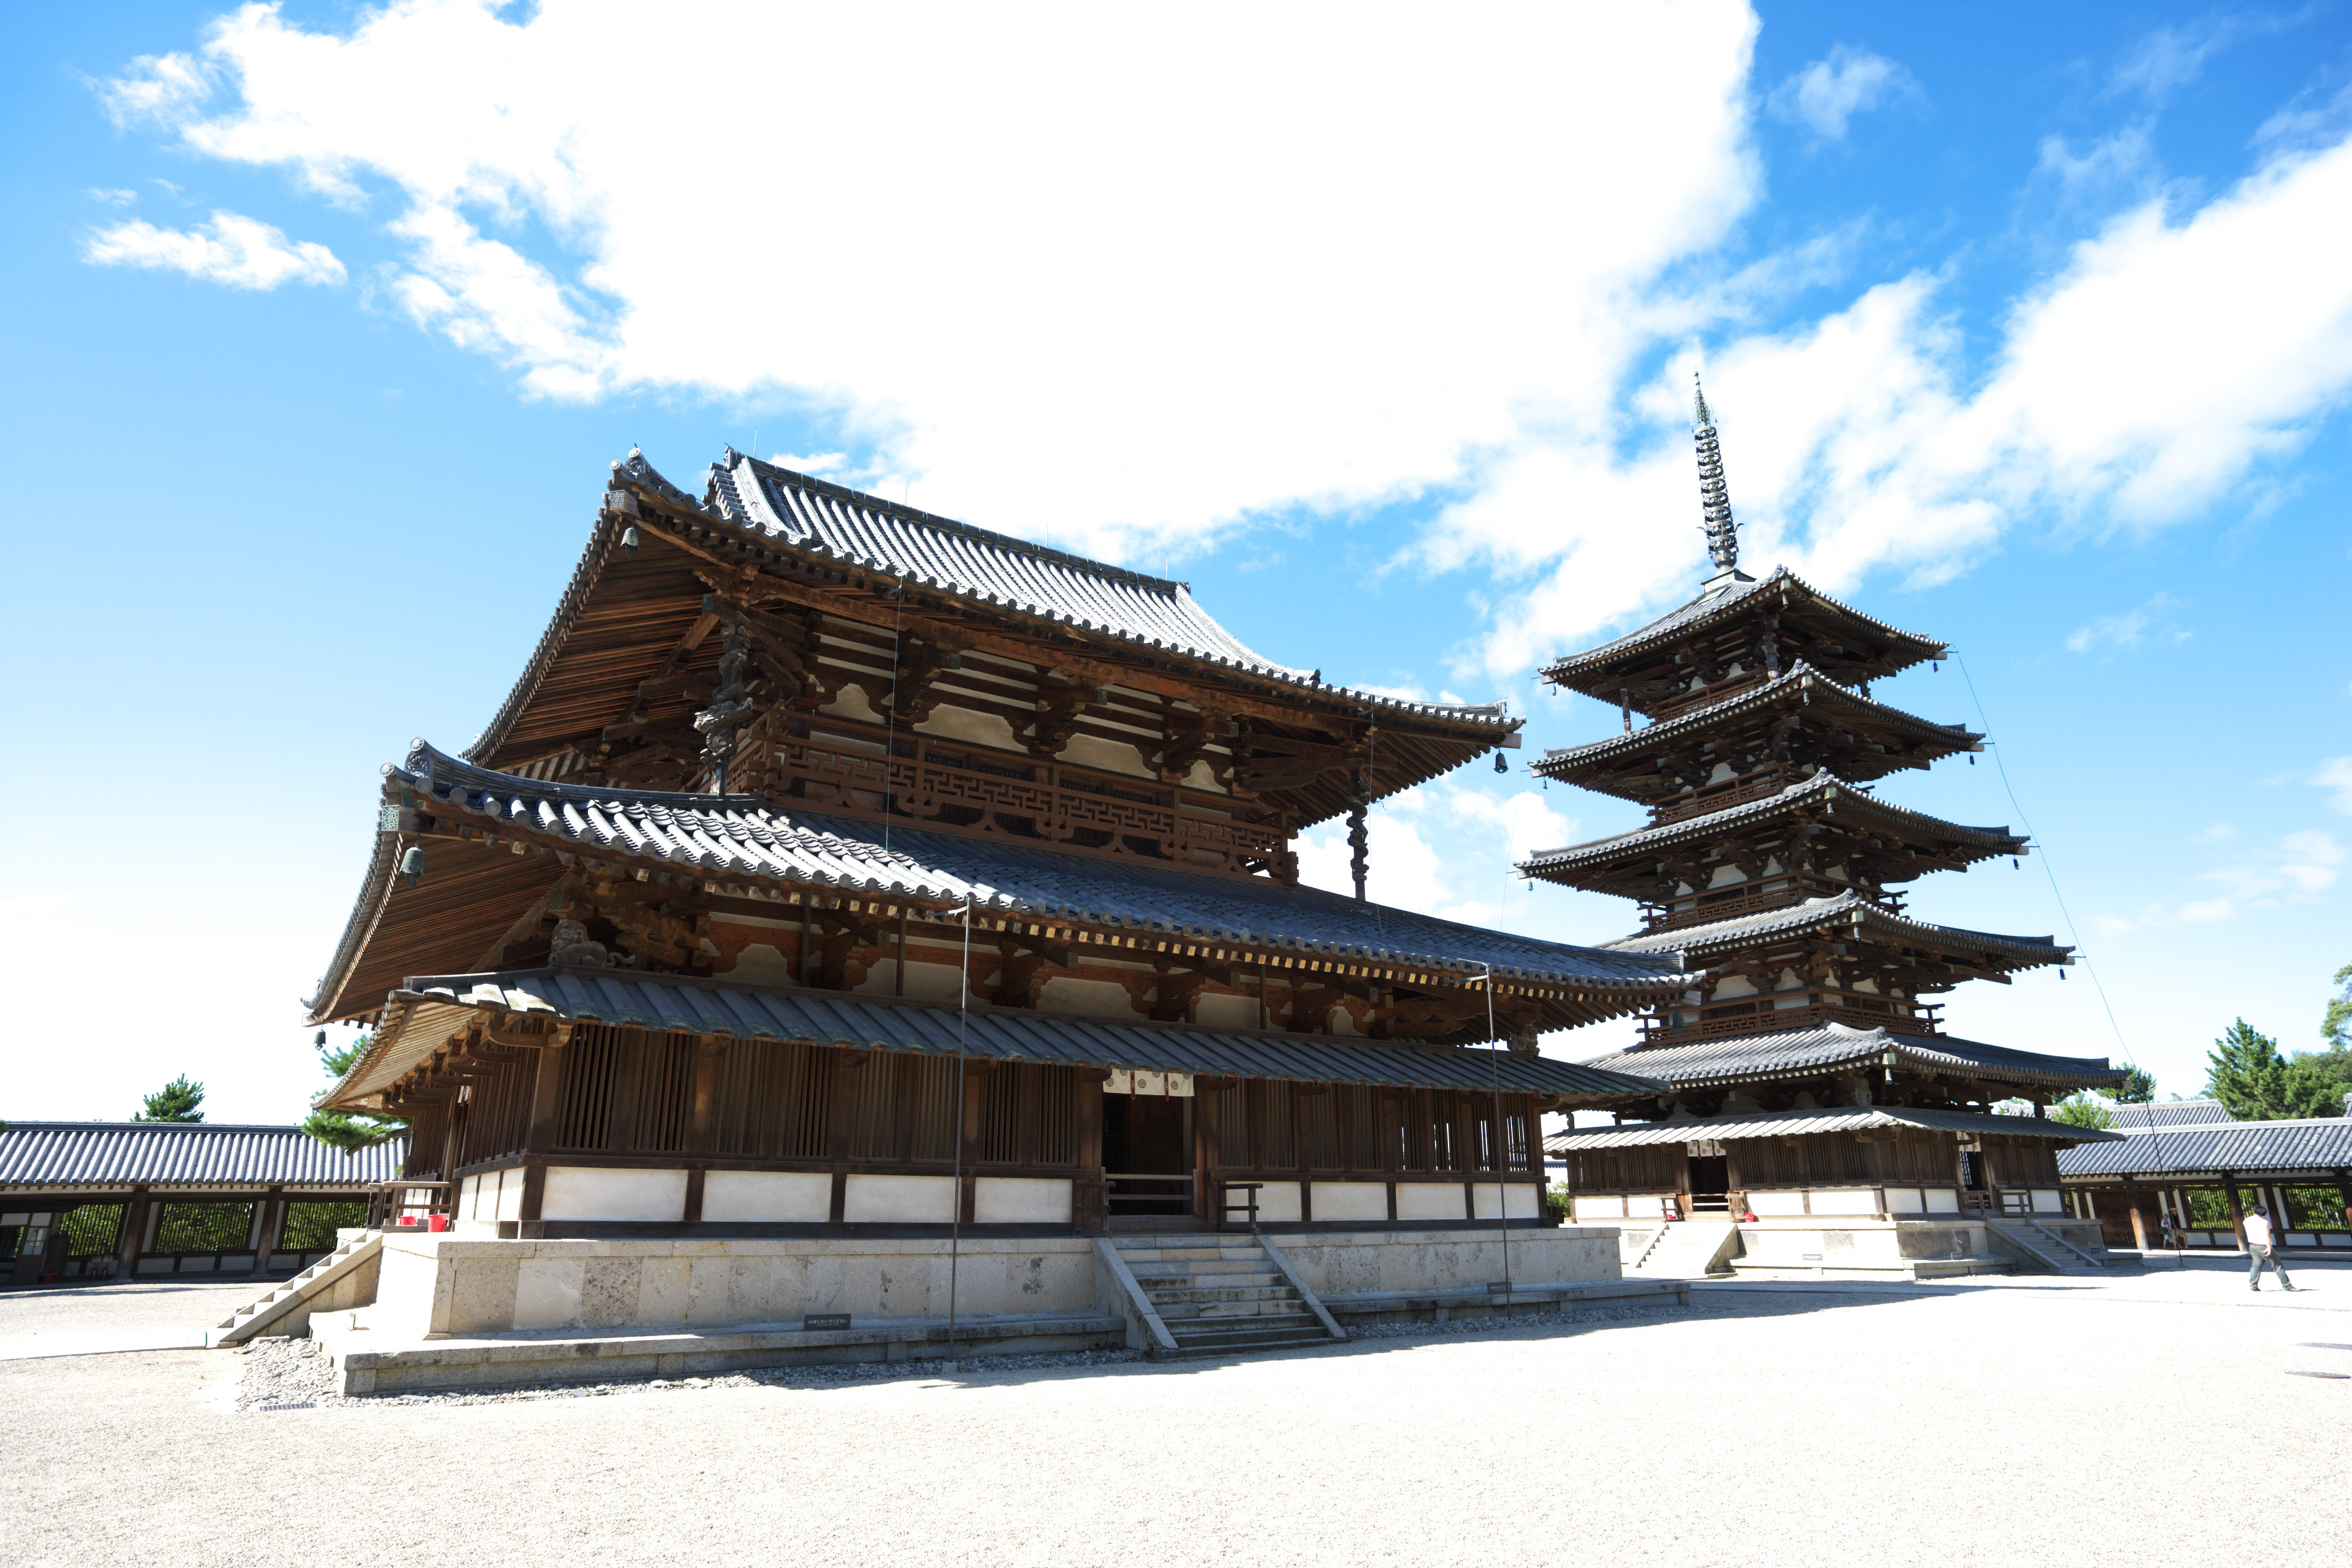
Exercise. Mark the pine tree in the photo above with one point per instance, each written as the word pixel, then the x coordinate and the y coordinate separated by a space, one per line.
pixel 2254 1083
pixel 178 1100
pixel 2085 1110
pixel 348 1130
pixel 2138 1088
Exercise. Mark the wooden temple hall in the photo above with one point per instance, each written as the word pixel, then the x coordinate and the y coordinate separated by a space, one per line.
pixel 681 947
pixel 1811 1093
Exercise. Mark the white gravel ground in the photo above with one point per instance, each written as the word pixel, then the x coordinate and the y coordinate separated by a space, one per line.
pixel 2034 1422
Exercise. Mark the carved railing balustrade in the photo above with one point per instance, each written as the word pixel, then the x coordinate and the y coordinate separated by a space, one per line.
pixel 956 787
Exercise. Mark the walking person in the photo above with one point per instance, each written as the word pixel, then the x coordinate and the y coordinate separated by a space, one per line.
pixel 2259 1248
pixel 2169 1234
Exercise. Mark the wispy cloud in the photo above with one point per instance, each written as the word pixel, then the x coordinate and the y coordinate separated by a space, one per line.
pixel 231 250
pixel 1828 93
pixel 2131 628
pixel 116 198
pixel 2335 775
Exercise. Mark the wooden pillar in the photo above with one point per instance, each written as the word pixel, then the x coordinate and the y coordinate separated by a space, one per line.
pixel 132 1240
pixel 701 1121
pixel 966 1198
pixel 546 1116
pixel 2139 1226
pixel 1090 1207
pixel 841 1127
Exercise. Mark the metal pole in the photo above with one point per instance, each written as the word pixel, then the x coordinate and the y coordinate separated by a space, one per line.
pixel 1502 1155
pixel 955 1195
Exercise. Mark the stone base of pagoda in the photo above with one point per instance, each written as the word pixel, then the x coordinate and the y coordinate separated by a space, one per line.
pixel 1816 1246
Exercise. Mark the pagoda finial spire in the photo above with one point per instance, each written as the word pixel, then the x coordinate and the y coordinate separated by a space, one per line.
pixel 1722 534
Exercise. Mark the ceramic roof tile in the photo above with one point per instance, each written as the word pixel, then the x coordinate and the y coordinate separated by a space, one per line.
pixel 1742 1058
pixel 184 1154
pixel 2323 1144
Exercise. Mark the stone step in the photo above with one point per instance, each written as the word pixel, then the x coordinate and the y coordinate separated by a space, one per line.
pixel 1192 1255
pixel 1157 1269
pixel 1220 1311
pixel 1293 1316
pixel 1212 1279
pixel 1189 1346
pixel 1269 1292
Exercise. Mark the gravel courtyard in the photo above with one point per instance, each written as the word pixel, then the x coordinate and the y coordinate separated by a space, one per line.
pixel 2163 1416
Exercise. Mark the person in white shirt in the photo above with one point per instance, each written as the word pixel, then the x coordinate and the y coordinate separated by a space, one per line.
pixel 2259 1248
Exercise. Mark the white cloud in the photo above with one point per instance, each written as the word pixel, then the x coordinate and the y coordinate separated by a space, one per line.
pixel 1446 848
pixel 2335 775
pixel 232 249
pixel 2302 866
pixel 1194 272
pixel 2130 628
pixel 1858 442
pixel 1829 92
pixel 113 198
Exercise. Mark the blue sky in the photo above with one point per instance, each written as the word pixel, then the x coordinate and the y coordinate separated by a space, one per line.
pixel 2026 327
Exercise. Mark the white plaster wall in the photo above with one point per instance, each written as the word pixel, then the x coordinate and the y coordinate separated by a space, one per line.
pixel 586 1192
pixel 907 1200
pixel 2047 1201
pixel 760 964
pixel 925 982
pixel 1110 756
pixel 1019 1200
pixel 1776 1203
pixel 1608 1206
pixel 1086 998
pixel 964 724
pixel 1844 1201
pixel 1212 1012
pixel 511 1194
pixel 1905 1200
pixel 1430 1200
pixel 1276 1201
pixel 1351 1200
pixel 774 1196
pixel 1942 1200
pixel 1518 1194
pixel 852 705
pixel 1204 777
pixel 1733 985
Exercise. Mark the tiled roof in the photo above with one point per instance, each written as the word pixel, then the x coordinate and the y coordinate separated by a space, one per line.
pixel 1800 677
pixel 2155 1114
pixel 1721 603
pixel 1788 1123
pixel 1819 790
pixel 739 839
pixel 2314 1145
pixel 1847 909
pixel 837 523
pixel 425 1011
pixel 1741 1059
pixel 184 1154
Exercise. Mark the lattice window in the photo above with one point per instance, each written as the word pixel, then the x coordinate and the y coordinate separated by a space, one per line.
pixel 311 1227
pixel 999 1116
pixel 664 1093
pixel 1364 1133
pixel 1232 1127
pixel 935 1108
pixel 1276 1148
pixel 773 1098
pixel 91 1230
pixel 497 1118
pixel 592 1070
pixel 205 1228
pixel 1319 1123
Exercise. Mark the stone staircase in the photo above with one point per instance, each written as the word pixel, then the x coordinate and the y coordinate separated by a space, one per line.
pixel 1223 1295
pixel 1687 1250
pixel 2046 1246
pixel 296 1296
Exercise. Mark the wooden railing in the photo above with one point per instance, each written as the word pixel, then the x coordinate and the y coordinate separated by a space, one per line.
pixel 1730 793
pixel 1658 1031
pixel 1003 795
pixel 393 1204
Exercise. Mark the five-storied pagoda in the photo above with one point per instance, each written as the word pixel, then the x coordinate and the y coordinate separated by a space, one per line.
pixel 1808 1076
pixel 855 918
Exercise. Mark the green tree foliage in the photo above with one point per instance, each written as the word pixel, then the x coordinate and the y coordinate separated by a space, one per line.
pixel 348 1130
pixel 2254 1083
pixel 2085 1110
pixel 2138 1088
pixel 178 1100
pixel 2337 1027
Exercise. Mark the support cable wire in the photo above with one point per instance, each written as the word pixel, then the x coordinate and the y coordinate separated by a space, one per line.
pixel 955 1223
pixel 2047 869
pixel 1500 1142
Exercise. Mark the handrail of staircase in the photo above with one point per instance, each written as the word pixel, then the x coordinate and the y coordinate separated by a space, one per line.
pixel 1313 1303
pixel 1136 1298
